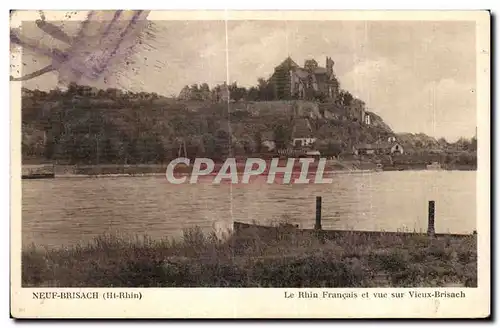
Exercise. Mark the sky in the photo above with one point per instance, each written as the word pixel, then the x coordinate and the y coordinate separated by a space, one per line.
pixel 419 76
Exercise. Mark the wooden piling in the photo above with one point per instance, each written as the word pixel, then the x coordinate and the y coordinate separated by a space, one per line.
pixel 430 226
pixel 317 226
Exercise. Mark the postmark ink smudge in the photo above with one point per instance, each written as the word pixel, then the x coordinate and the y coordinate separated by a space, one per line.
pixel 122 37
pixel 89 56
pixel 54 31
pixel 115 17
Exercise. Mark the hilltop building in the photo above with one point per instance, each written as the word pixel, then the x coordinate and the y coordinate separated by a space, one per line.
pixel 290 81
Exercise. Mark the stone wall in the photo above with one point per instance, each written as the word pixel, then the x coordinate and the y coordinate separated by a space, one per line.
pixel 301 108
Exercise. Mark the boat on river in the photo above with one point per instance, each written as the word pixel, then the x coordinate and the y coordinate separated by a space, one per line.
pixel 37 172
pixel 38 176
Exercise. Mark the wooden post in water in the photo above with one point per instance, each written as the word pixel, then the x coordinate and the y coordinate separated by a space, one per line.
pixel 317 226
pixel 430 226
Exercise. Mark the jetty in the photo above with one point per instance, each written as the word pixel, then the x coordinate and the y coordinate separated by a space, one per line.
pixel 276 232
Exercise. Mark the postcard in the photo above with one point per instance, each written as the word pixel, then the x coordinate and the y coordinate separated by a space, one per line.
pixel 250 164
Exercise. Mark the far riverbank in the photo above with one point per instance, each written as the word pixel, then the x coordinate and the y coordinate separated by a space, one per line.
pixel 336 166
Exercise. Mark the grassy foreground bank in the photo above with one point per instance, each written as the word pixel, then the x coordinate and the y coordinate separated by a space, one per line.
pixel 288 260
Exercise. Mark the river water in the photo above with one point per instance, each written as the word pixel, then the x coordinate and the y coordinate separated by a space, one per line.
pixel 66 211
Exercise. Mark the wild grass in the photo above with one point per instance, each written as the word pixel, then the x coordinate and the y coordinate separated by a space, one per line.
pixel 250 259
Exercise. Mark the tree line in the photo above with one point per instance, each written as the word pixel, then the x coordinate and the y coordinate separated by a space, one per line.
pixel 265 90
pixel 112 126
pixel 77 131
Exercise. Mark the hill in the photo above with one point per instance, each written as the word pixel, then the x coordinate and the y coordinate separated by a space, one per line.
pixel 108 128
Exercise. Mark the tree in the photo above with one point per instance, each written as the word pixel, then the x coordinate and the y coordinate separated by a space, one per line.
pixel 205 91
pixel 204 88
pixel 111 93
pixel 442 142
pixel 209 144
pixel 222 144
pixel 282 136
pixel 258 141
pixel 72 89
pixel 329 147
pixel 249 146
pixel 281 81
pixel 252 94
pixel 55 94
pixel 462 144
pixel 236 92
pixel 473 144
pixel 266 91
pixel 345 98
pixel 101 93
pixel 195 93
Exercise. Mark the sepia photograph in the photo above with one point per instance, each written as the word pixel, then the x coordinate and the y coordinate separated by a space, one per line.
pixel 324 155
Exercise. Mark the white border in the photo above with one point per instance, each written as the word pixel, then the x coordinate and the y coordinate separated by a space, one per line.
pixel 255 5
